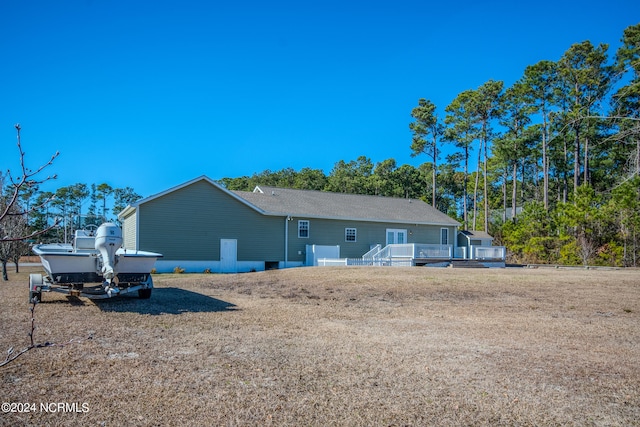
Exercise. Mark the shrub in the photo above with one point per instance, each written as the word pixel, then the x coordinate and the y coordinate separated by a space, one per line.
pixel 570 253
pixel 540 250
pixel 178 270
pixel 610 254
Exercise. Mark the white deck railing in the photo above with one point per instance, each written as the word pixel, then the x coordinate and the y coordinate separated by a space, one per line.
pixel 487 252
pixel 405 254
pixel 433 251
pixel 461 252
pixel 414 250
pixel 395 251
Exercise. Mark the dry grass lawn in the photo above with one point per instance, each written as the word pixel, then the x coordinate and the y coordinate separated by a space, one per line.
pixel 334 347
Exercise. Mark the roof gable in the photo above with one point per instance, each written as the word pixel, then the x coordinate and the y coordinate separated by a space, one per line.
pixel 205 178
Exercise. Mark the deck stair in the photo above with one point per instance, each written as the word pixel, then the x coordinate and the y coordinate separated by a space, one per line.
pixel 467 263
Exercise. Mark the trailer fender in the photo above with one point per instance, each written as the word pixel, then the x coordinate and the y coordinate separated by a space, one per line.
pixel 35 287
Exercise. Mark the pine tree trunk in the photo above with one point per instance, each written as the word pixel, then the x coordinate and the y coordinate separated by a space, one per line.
pixel 576 162
pixel 545 163
pixel 586 162
pixel 514 194
pixel 565 171
pixel 475 189
pixel 435 159
pixel 5 275
pixel 522 172
pixel 638 157
pixel 505 175
pixel 464 190
pixel 486 191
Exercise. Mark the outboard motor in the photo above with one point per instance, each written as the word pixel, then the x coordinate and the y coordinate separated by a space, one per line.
pixel 108 240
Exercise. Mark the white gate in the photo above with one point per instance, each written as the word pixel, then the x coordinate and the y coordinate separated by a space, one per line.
pixel 316 252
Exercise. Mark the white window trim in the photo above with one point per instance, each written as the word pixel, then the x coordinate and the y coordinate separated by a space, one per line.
pixel 396 231
pixel 300 222
pixel 355 234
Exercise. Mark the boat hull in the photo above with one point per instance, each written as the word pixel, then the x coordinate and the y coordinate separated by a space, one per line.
pixel 65 265
pixel 95 266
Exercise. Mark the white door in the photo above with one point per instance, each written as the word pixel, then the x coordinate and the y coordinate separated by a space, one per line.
pixel 396 236
pixel 228 255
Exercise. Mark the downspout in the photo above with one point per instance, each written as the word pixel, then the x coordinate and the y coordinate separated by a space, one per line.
pixel 286 239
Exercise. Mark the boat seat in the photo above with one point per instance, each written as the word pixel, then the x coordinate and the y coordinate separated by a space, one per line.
pixel 82 242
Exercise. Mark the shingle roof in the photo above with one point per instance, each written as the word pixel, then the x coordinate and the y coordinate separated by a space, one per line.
pixel 322 204
pixel 476 234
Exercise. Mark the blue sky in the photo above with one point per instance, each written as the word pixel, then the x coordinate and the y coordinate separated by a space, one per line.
pixel 150 94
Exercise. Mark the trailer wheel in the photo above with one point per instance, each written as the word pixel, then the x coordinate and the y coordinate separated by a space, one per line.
pixel 144 293
pixel 35 282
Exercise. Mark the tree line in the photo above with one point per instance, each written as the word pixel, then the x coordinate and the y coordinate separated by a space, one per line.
pixel 72 207
pixel 556 158
pixel 31 215
pixel 359 176
pixel 557 154
pixel 28 215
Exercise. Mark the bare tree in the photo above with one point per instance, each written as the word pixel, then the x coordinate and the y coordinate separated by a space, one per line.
pixel 13 223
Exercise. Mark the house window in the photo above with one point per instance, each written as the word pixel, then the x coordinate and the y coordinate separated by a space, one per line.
pixel 303 228
pixel 350 234
pixel 444 236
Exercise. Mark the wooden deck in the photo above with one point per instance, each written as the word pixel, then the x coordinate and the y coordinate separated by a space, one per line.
pixel 458 263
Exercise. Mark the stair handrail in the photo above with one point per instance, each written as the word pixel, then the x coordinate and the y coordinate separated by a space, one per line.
pixel 373 252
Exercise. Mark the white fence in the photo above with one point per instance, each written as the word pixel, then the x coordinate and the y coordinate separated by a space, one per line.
pixel 487 252
pixel 396 262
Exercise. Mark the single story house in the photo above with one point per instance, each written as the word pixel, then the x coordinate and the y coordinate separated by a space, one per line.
pixel 200 225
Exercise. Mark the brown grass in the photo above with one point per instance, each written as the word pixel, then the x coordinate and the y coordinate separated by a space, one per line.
pixel 335 346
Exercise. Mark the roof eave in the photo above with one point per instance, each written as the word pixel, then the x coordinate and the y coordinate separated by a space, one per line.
pixel 126 211
pixel 339 218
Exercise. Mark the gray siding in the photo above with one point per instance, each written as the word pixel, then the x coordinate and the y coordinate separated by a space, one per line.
pixel 462 240
pixel 332 232
pixel 189 222
pixel 188 225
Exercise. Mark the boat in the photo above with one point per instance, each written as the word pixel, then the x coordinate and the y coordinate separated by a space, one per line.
pixel 95 266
